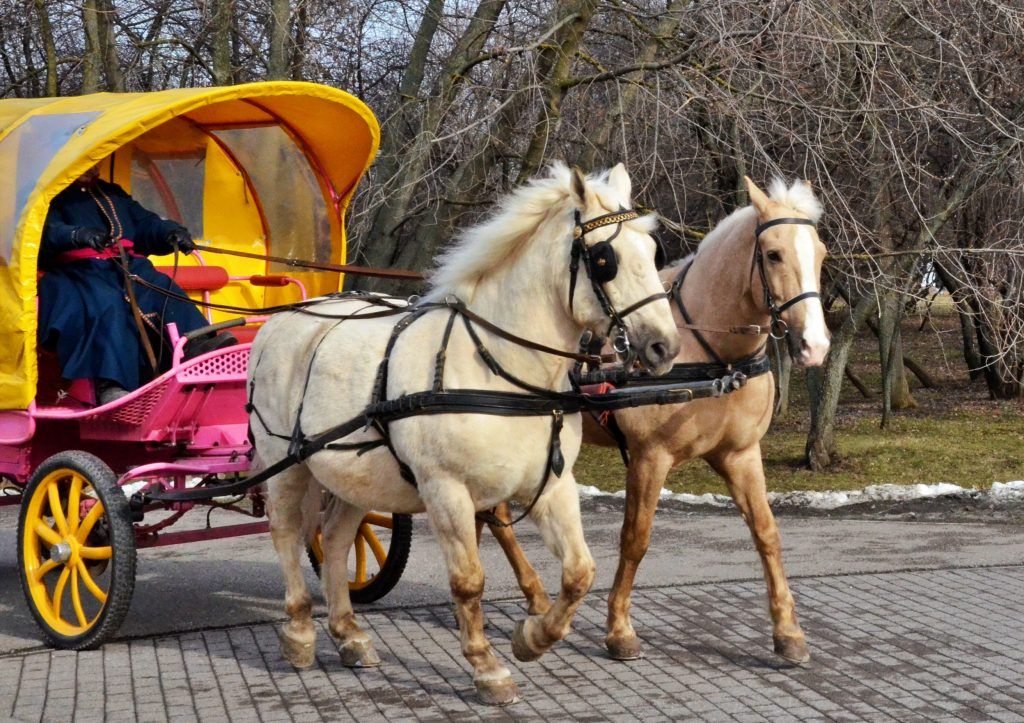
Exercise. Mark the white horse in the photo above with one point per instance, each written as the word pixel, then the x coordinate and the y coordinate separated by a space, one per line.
pixel 513 270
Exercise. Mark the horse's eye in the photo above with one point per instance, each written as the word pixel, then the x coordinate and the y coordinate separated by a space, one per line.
pixel 774 256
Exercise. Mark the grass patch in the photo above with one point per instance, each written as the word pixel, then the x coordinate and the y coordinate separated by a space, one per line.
pixel 956 434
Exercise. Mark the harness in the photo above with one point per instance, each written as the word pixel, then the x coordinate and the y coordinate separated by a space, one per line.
pixel 688 373
pixel 601 267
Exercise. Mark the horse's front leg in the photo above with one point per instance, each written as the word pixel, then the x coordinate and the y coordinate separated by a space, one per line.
pixel 557 514
pixel 644 479
pixel 285 495
pixel 451 511
pixel 341 522
pixel 744 474
pixel 526 576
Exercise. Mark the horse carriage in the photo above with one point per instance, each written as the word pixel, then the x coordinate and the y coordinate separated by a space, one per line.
pixel 451 404
pixel 262 169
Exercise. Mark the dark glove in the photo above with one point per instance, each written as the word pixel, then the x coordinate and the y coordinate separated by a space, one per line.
pixel 182 240
pixel 90 238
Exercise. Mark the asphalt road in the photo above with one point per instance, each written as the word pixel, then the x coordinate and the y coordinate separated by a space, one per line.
pixel 237 581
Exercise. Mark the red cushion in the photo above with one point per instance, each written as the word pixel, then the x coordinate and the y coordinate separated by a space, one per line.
pixel 245 334
pixel 197 278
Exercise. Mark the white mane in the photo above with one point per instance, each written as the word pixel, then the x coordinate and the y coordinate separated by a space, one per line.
pixel 799 197
pixel 479 249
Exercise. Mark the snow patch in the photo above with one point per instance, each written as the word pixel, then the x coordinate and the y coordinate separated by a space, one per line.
pixel 830 500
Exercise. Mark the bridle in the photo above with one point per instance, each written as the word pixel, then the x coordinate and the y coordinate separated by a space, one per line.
pixel 778 328
pixel 602 266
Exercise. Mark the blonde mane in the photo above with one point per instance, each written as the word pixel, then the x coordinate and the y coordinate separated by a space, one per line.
pixel 479 249
pixel 799 197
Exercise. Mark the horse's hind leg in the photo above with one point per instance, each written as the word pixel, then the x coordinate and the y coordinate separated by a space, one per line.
pixel 341 521
pixel 286 493
pixel 526 576
pixel 451 511
pixel 644 479
pixel 557 514
pixel 744 475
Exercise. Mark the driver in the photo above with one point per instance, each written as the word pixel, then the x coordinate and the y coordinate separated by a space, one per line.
pixel 85 314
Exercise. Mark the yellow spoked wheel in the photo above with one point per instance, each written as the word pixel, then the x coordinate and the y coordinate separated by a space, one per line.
pixel 77 550
pixel 381 549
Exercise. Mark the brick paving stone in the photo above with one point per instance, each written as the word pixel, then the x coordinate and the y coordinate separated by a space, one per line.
pixel 934 645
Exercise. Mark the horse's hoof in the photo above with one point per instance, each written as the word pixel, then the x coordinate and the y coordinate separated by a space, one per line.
pixel 299 654
pixel 624 648
pixel 521 646
pixel 792 649
pixel 499 691
pixel 359 654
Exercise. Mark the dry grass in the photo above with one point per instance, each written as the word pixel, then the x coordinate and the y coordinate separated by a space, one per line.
pixel 956 434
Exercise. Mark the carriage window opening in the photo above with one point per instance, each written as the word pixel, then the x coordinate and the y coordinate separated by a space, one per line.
pixel 172 186
pixel 28 150
pixel 292 200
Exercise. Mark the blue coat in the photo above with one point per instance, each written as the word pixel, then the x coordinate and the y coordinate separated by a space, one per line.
pixel 84 313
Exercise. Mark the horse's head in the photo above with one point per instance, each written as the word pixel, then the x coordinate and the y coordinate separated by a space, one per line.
pixel 786 273
pixel 614 287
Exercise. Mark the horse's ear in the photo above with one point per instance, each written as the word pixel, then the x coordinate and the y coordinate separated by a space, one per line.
pixel 578 184
pixel 757 196
pixel 619 179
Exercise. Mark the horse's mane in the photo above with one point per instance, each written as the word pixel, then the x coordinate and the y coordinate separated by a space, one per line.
pixel 479 249
pixel 799 197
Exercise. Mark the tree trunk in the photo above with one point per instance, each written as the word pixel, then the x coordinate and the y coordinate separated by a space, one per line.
pixel 968 332
pixel 49 48
pixel 783 368
pixel 895 389
pixel 553 64
pixel 223 22
pixel 401 174
pixel 108 46
pixel 280 32
pixel 821 445
pixel 91 60
pixel 615 116
pixel 301 39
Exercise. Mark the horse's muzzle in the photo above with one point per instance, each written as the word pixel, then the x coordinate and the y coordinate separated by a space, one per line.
pixel 657 353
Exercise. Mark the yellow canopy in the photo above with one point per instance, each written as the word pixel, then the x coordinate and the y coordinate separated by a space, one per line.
pixel 262 167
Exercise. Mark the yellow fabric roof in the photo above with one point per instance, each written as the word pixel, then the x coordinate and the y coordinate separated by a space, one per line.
pixel 46 143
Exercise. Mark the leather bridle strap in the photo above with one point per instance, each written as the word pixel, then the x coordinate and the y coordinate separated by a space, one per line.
pixel 778 327
pixel 580 250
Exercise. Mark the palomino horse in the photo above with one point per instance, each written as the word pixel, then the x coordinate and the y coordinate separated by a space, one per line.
pixel 723 288
pixel 309 372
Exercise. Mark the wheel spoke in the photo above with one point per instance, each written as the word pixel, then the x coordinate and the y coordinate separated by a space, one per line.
pixel 49 535
pixel 55 509
pixel 378 520
pixel 74 500
pixel 360 558
pixel 76 598
pixel 371 539
pixel 90 519
pixel 58 591
pixel 95 553
pixel 90 584
pixel 40 572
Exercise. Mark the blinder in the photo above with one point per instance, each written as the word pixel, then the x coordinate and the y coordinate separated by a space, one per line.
pixel 602 266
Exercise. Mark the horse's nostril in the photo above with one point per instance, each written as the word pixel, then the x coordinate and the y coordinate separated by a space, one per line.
pixel 658 351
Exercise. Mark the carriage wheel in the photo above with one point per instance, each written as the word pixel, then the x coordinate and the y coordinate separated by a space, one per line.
pixel 77 550
pixel 375 575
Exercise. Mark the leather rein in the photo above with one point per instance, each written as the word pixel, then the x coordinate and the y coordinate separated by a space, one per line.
pixel 531 401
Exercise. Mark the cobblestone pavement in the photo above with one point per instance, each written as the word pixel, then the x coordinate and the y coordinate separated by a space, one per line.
pixel 944 644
